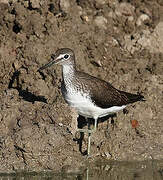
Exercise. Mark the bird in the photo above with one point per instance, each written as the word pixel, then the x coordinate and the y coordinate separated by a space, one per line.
pixel 91 97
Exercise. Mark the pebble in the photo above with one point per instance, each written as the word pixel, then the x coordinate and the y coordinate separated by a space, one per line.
pixel 101 22
pixel 4 1
pixel 124 9
pixel 65 5
pixel 141 19
pixel 16 65
pixel 130 18
pixel 60 124
pixel 107 154
pixel 96 63
pixel 100 3
pixel 107 167
pixel 35 3
pixel 85 18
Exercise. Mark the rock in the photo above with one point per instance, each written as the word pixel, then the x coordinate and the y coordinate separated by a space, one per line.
pixel 35 3
pixel 96 63
pixel 130 18
pixel 60 124
pixel 4 1
pixel 100 3
pixel 65 5
pixel 157 39
pixel 108 155
pixel 85 18
pixel 124 9
pixel 141 19
pixel 152 41
pixel 16 65
pixel 101 22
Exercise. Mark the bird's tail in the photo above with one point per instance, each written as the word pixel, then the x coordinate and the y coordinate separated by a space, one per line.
pixel 133 97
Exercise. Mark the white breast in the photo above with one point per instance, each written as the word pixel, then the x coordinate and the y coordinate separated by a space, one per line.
pixel 84 105
pixel 81 101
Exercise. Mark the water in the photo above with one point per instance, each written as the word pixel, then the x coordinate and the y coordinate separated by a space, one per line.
pixel 100 170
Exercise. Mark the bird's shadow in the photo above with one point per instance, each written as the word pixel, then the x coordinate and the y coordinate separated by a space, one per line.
pixel 83 122
pixel 25 94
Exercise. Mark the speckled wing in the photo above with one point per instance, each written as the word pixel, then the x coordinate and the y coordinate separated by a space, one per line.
pixel 103 94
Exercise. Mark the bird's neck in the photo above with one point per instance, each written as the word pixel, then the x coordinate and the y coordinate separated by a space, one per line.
pixel 68 73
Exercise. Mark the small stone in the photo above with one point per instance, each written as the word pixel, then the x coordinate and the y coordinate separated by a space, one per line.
pixel 96 63
pixel 60 124
pixel 35 3
pixel 124 9
pixel 115 42
pixel 107 168
pixel 101 22
pixel 141 19
pixel 85 18
pixel 130 18
pixel 26 4
pixel 108 155
pixel 16 65
pixel 80 10
pixel 111 14
pixel 100 3
pixel 65 5
pixel 4 1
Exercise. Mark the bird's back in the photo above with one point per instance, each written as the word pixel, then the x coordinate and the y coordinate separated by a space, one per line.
pixel 103 94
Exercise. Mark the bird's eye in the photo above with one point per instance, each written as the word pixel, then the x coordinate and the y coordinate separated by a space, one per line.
pixel 66 56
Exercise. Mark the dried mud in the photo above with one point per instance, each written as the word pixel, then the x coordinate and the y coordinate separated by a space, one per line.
pixel 117 41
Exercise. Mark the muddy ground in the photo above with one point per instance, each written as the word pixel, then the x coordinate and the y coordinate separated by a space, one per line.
pixel 118 41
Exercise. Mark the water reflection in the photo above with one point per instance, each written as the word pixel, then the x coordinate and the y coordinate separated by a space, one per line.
pixel 112 170
pixel 149 170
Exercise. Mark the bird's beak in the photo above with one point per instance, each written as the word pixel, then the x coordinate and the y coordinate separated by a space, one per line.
pixel 53 61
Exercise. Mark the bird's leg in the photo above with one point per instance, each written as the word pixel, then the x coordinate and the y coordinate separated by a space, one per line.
pixel 89 131
pixel 89 139
pixel 95 125
pixel 89 135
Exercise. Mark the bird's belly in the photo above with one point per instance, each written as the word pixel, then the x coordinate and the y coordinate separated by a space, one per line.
pixel 85 107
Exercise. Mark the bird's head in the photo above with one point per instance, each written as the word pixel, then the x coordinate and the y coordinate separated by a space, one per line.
pixel 61 56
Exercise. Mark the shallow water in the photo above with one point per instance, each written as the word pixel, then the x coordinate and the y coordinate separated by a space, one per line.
pixel 112 170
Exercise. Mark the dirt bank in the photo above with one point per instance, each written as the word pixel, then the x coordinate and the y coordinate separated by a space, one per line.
pixel 117 41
